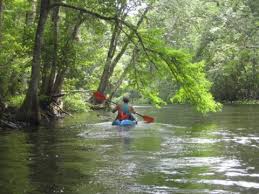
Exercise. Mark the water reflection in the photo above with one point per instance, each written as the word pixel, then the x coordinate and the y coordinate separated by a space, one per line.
pixel 182 153
pixel 14 163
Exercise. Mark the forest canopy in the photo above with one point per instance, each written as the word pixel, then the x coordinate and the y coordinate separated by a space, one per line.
pixel 157 51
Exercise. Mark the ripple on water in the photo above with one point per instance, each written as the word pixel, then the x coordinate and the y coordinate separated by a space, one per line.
pixel 106 130
pixel 174 163
pixel 173 166
pixel 155 189
pixel 185 140
pixel 244 184
pixel 176 159
pixel 237 174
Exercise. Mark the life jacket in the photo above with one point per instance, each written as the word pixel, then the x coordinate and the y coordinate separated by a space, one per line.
pixel 123 112
pixel 122 116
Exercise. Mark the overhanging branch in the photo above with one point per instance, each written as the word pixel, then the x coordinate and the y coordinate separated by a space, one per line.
pixel 106 18
pixel 97 15
pixel 83 10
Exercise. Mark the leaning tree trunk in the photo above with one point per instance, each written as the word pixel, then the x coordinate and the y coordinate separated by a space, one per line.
pixel 62 71
pixel 1 18
pixel 254 76
pixel 31 14
pixel 30 111
pixel 1 31
pixel 50 66
pixel 112 62
pixel 29 21
pixel 55 18
pixel 124 73
pixel 119 82
pixel 110 55
pixel 59 81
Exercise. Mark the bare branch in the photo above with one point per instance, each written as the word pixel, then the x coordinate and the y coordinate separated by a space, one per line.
pixel 97 15
pixel 106 18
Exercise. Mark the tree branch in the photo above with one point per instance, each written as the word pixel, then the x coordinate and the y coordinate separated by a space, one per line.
pixel 106 18
pixel 97 15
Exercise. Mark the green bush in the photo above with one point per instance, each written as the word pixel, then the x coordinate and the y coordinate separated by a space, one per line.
pixel 16 101
pixel 76 103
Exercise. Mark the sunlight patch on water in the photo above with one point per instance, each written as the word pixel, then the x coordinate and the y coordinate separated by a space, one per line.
pixel 249 140
pixel 174 163
pixel 178 140
pixel 245 184
pixel 246 140
pixel 203 141
pixel 234 174
pixel 225 165
pixel 155 189
pixel 173 155
pixel 214 164
pixel 152 189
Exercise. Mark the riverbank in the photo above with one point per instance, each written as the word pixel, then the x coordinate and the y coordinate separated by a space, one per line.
pixel 8 121
pixel 8 118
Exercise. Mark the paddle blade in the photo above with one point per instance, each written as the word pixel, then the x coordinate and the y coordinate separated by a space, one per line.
pixel 99 96
pixel 148 119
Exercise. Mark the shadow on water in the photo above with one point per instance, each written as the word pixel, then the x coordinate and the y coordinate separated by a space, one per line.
pixel 183 152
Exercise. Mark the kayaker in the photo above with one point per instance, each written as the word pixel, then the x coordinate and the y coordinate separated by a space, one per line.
pixel 124 110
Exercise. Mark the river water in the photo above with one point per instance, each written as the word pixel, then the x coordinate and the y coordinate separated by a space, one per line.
pixel 182 152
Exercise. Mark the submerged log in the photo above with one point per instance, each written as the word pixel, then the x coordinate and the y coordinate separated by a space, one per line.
pixel 60 109
pixel 9 124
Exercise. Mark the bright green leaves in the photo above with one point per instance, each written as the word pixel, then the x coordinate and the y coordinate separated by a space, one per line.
pixel 76 103
pixel 219 33
pixel 14 61
pixel 153 96
pixel 193 86
pixel 191 78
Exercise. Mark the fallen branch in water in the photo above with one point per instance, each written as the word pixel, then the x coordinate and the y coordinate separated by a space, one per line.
pixel 61 109
pixel 8 124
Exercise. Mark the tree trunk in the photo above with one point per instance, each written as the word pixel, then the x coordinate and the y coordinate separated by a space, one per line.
pixel 45 77
pixel 111 63
pixel 29 20
pixel 31 14
pixel 50 63
pixel 38 7
pixel 30 111
pixel 254 76
pixel 59 78
pixel 110 55
pixel 119 82
pixel 1 18
pixel 55 17
pixel 59 82
pixel 124 74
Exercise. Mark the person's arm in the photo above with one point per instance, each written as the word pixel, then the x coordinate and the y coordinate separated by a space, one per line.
pixel 115 109
pixel 132 110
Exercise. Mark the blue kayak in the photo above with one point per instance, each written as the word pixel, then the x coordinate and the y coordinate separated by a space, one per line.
pixel 124 122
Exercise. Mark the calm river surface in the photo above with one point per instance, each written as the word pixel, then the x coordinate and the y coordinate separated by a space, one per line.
pixel 182 152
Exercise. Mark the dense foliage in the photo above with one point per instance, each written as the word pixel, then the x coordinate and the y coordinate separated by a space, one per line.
pixel 163 51
pixel 223 34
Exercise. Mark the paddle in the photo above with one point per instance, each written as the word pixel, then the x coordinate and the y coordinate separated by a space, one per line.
pixel 99 96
